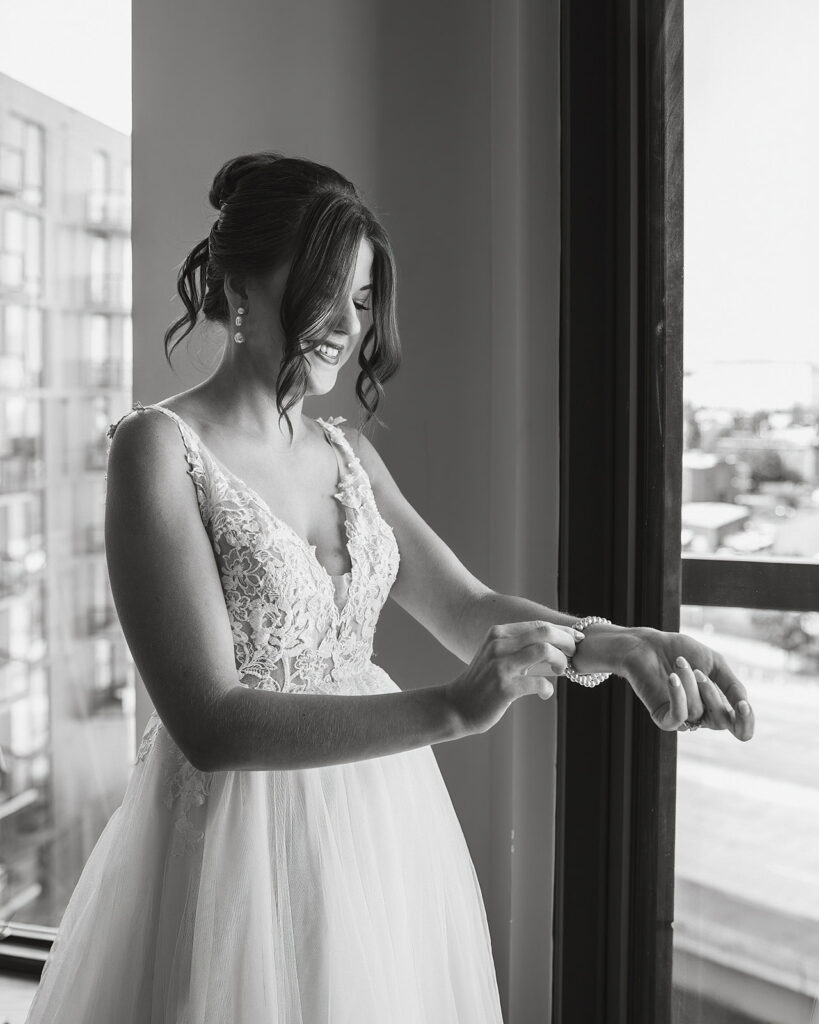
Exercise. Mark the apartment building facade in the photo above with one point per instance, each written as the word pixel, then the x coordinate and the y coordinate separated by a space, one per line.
pixel 66 676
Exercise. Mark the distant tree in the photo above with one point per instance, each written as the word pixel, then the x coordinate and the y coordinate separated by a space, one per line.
pixel 768 467
pixel 781 629
pixel 799 415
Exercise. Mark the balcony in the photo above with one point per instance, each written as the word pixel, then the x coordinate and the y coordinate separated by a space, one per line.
pixel 11 170
pixel 107 293
pixel 108 212
pixel 19 472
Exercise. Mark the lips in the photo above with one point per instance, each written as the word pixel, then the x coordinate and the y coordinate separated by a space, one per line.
pixel 326 358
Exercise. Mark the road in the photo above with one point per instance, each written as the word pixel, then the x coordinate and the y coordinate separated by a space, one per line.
pixel 747 832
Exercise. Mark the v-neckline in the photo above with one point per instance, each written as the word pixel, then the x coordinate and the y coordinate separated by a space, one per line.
pixel 309 548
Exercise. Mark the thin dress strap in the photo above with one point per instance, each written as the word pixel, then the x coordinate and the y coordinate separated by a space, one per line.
pixel 193 455
pixel 335 433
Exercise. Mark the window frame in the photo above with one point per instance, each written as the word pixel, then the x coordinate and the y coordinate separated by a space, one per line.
pixel 620 495
pixel 621 419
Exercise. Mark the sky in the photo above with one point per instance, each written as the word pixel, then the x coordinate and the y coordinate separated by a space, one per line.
pixel 751 167
pixel 751 164
pixel 78 51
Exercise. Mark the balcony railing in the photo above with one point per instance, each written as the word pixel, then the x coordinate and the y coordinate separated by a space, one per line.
pixel 108 211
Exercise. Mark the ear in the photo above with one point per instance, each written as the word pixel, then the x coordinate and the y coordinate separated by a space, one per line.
pixel 235 290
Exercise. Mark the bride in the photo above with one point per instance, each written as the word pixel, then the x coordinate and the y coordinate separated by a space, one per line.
pixel 286 850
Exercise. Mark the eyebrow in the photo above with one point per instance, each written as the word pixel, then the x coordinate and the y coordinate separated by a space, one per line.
pixel 365 288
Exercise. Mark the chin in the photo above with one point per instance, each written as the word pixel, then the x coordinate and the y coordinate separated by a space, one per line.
pixel 320 383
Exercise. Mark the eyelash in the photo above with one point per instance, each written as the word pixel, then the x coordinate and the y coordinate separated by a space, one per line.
pixel 361 306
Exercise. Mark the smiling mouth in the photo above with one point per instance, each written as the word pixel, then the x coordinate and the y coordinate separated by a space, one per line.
pixel 329 353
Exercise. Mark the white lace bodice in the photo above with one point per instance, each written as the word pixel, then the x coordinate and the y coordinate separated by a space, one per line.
pixel 296 628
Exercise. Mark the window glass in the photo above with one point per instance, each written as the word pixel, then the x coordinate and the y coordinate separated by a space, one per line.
pixel 34 164
pixel 66 677
pixel 746 929
pixel 751 385
pixel 746 917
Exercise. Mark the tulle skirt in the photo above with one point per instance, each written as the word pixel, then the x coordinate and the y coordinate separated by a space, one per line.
pixel 335 895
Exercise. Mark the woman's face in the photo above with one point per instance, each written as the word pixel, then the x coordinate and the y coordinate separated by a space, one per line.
pixel 325 362
pixel 265 339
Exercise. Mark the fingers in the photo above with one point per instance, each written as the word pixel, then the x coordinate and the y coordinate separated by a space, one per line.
pixel 677 711
pixel 513 661
pixel 742 724
pixel 545 688
pixel 717 707
pixel 563 637
pixel 549 660
pixel 691 688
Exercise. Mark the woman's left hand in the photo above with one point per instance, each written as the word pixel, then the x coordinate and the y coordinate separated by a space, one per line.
pixel 708 694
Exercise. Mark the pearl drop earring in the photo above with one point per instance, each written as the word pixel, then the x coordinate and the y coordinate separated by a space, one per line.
pixel 238 337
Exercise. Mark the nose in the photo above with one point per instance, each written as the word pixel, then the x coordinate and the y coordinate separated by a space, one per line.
pixel 349 322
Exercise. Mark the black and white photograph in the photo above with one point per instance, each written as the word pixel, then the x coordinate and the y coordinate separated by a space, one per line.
pixel 409 512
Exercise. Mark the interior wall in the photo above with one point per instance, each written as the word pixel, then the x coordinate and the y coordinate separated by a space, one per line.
pixel 446 116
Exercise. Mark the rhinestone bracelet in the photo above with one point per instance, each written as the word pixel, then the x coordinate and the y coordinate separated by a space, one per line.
pixel 590 678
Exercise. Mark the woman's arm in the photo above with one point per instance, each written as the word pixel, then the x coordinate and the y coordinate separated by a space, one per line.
pixel 603 649
pixel 171 607
pixel 264 730
pixel 440 592
pixel 437 589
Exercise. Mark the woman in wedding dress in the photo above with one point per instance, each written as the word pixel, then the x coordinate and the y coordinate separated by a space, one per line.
pixel 286 851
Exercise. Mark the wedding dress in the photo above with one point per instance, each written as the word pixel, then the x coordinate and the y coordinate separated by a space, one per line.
pixel 341 894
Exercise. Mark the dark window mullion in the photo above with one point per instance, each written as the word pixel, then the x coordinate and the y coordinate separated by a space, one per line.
pixel 620 494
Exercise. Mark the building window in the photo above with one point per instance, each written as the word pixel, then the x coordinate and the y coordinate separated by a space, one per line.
pixel 26 139
pixel 21 346
pixel 21 253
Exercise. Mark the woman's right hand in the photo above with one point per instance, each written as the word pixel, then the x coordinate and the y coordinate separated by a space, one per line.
pixel 498 675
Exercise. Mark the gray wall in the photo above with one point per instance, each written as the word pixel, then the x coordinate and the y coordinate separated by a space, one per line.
pixel 446 115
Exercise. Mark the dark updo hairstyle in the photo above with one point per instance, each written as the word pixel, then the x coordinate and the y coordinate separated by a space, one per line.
pixel 274 209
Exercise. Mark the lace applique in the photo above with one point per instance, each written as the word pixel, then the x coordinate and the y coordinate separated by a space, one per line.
pixel 289 634
pixel 148 737
pixel 187 787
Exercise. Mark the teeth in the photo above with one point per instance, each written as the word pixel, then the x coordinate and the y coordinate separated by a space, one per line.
pixel 329 352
